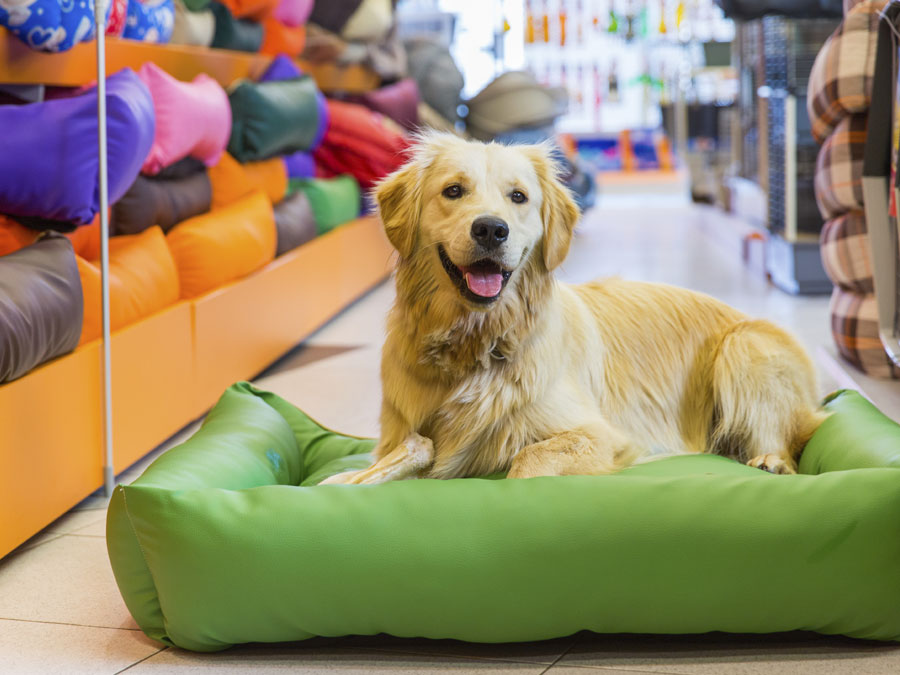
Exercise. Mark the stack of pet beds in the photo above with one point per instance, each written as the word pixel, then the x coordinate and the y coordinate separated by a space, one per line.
pixel 206 186
pixel 266 26
pixel 54 26
pixel 838 101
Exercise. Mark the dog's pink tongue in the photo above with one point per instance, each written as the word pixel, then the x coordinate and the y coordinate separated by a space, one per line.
pixel 484 283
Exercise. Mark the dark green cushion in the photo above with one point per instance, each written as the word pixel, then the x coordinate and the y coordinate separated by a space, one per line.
pixel 334 201
pixel 274 118
pixel 236 34
pixel 224 540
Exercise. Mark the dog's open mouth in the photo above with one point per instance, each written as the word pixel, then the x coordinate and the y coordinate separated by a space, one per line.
pixel 480 282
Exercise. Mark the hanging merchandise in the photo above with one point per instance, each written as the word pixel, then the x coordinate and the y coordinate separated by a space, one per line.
pixel 679 14
pixel 579 87
pixel 545 24
pixel 613 21
pixel 562 26
pixel 529 23
pixel 643 22
pixel 613 84
pixel 579 22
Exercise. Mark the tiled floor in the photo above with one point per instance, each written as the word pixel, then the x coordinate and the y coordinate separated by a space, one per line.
pixel 60 611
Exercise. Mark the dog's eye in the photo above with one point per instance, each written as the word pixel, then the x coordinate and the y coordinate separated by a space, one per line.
pixel 518 197
pixel 452 192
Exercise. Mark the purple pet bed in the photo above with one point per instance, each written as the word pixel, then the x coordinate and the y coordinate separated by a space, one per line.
pixel 300 165
pixel 49 160
pixel 281 68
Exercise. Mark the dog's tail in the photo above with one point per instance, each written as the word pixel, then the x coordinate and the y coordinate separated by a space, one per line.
pixel 764 394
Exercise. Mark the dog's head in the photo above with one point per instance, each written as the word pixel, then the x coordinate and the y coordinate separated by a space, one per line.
pixel 477 213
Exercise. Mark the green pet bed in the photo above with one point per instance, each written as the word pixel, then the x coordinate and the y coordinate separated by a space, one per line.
pixel 334 201
pixel 225 540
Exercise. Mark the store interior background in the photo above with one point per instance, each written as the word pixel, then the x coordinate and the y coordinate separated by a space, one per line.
pixel 680 104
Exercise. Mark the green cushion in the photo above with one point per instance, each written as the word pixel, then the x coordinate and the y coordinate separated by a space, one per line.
pixel 274 118
pixel 334 201
pixel 235 34
pixel 215 544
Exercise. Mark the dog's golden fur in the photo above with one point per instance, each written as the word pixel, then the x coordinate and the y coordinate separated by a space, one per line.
pixel 554 379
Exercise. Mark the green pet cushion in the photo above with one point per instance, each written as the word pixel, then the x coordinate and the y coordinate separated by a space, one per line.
pixel 272 118
pixel 334 201
pixel 235 34
pixel 226 539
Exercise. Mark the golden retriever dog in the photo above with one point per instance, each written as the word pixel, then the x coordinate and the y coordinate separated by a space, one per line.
pixel 491 364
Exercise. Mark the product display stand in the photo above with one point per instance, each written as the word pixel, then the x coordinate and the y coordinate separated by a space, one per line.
pixel 177 361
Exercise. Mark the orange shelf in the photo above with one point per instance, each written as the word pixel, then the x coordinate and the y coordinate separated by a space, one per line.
pixel 331 77
pixel 167 370
pixel 78 66
pixel 50 443
pixel 241 328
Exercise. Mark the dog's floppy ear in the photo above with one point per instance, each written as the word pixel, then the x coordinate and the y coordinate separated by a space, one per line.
pixel 399 198
pixel 559 212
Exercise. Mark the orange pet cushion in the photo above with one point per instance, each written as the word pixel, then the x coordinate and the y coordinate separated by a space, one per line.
pixel 232 180
pixel 270 176
pixel 86 240
pixel 14 236
pixel 281 39
pixel 250 9
pixel 223 245
pixel 142 280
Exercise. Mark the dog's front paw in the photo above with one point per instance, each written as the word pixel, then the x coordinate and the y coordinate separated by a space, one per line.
pixel 771 463
pixel 345 478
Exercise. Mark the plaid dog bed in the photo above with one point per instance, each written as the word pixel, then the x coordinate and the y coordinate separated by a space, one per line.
pixel 839 168
pixel 844 246
pixel 840 82
pixel 854 325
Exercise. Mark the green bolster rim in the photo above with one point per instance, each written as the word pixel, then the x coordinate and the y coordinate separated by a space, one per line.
pixel 216 545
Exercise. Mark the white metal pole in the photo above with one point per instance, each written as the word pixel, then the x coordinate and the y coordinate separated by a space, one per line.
pixel 109 476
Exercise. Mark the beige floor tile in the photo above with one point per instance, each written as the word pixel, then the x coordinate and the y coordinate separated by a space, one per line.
pixel 66 580
pixel 306 354
pixel 306 660
pixel 75 521
pixel 587 670
pixel 42 648
pixel 95 501
pixel 544 651
pixel 342 392
pixel 40 538
pixel 360 324
pixel 96 529
pixel 721 654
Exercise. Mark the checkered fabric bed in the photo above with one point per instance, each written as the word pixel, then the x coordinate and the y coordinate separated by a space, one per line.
pixel 839 168
pixel 840 82
pixel 854 324
pixel 844 246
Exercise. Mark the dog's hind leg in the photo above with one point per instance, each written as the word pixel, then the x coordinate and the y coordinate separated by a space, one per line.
pixel 407 460
pixel 765 398
pixel 599 450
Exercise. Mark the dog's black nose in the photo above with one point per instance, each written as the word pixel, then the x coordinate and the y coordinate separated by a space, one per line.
pixel 489 232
